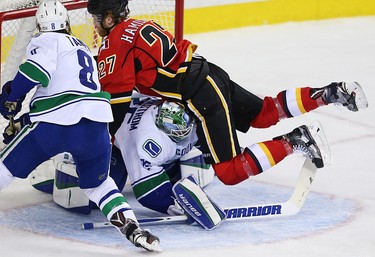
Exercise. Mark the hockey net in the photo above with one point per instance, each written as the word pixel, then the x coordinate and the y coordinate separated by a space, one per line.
pixel 18 25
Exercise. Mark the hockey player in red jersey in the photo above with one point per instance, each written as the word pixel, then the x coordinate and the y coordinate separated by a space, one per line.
pixel 141 55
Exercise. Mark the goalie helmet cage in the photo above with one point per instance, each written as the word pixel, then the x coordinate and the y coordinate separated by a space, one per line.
pixel 18 25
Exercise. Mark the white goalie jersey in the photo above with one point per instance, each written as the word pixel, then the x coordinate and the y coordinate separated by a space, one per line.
pixel 144 148
pixel 147 152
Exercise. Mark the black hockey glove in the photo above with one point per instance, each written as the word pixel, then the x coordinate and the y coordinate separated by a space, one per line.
pixel 14 127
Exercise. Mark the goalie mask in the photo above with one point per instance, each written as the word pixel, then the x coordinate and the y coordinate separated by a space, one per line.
pixel 52 16
pixel 174 121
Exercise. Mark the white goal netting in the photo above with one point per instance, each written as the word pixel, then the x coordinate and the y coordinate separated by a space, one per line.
pixel 18 25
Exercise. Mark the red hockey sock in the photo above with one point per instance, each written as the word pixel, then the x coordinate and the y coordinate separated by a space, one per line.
pixel 256 159
pixel 233 171
pixel 288 103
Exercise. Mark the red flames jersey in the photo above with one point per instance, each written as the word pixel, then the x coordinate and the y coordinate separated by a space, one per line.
pixel 142 54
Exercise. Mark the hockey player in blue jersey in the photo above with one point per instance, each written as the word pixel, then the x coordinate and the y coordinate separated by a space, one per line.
pixel 68 113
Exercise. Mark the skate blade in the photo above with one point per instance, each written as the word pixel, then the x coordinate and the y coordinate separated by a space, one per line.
pixel 360 97
pixel 317 133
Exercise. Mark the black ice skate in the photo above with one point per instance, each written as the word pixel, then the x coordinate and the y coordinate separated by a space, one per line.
pixel 136 235
pixel 303 142
pixel 349 95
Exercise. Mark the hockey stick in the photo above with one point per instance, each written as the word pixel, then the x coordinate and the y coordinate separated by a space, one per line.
pixel 150 221
pixel 265 211
pixel 11 124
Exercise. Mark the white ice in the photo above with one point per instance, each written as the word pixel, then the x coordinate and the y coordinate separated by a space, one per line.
pixel 266 60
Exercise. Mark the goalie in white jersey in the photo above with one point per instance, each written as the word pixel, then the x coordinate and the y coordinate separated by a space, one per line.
pixel 157 141
pixel 68 113
pixel 155 149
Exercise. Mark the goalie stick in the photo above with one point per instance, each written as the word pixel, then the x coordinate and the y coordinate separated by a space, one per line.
pixel 265 211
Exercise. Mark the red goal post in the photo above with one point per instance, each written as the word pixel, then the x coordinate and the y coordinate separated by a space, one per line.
pixel 17 25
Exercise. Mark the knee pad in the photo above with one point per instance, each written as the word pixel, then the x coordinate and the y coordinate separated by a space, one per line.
pixel 193 163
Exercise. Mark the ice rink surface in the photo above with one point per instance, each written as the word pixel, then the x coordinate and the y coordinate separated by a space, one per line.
pixel 338 216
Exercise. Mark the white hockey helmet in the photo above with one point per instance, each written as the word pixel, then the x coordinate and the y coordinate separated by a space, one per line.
pixel 52 16
pixel 174 121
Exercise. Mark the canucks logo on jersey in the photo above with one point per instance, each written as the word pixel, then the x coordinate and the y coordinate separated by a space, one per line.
pixel 152 148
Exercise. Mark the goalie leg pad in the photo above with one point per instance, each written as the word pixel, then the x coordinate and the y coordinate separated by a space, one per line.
pixel 197 204
pixel 66 191
pixel 5 176
pixel 193 163
pixel 42 178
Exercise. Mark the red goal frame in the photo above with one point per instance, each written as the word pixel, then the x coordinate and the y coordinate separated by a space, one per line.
pixel 78 4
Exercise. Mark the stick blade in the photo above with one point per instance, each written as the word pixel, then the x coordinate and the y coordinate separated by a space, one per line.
pixel 305 179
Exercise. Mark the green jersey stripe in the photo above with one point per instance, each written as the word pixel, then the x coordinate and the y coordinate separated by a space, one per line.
pixel 115 202
pixel 149 185
pixel 34 73
pixel 48 103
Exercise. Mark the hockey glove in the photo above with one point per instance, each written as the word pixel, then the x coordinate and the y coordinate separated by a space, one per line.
pixel 9 108
pixel 14 127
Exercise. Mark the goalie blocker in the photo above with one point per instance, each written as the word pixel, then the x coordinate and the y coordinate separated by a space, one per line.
pixel 197 204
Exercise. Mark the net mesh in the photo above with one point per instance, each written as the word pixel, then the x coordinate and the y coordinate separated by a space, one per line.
pixel 16 33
